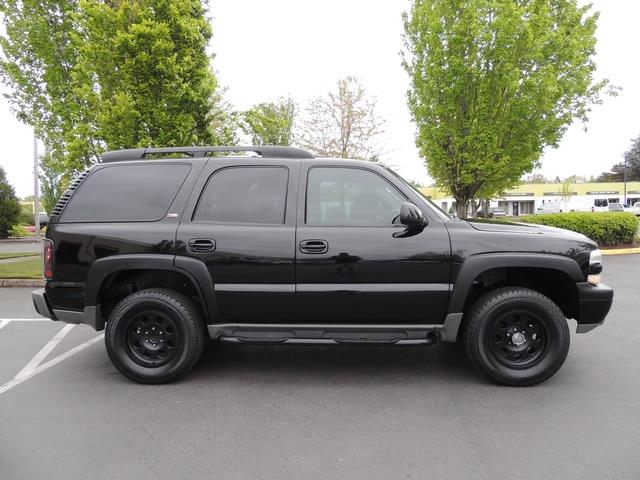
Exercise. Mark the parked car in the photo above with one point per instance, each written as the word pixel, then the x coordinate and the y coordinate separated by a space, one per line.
pixel 286 248
pixel 550 207
pixel 635 209
pixel 498 212
pixel 616 207
pixel 43 218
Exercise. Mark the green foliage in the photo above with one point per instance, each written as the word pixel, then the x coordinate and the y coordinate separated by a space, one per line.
pixel 52 183
pixel 39 57
pixel 25 217
pixel 9 205
pixel 19 231
pixel 606 228
pixel 92 75
pixel 270 123
pixel 632 158
pixel 493 82
pixel 143 76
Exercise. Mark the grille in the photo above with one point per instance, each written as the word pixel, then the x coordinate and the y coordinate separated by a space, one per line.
pixel 64 199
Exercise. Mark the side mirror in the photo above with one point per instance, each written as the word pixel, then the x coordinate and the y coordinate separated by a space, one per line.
pixel 411 216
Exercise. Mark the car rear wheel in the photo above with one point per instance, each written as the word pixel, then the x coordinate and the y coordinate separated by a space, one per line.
pixel 155 336
pixel 516 336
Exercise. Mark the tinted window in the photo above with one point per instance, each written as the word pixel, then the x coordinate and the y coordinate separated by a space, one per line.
pixel 350 196
pixel 244 195
pixel 126 193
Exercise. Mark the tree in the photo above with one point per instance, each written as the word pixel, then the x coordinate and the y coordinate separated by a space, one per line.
pixel 37 63
pixel 92 75
pixel 535 178
pixel 343 123
pixel 225 121
pixel 9 205
pixel 50 184
pixel 270 123
pixel 566 190
pixel 632 157
pixel 492 83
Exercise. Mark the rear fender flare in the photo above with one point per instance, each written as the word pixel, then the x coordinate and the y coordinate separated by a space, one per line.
pixel 194 269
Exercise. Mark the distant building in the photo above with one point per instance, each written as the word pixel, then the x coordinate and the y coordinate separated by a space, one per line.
pixel 547 197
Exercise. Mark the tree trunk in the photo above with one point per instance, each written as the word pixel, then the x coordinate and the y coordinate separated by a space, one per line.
pixel 485 207
pixel 462 207
pixel 475 206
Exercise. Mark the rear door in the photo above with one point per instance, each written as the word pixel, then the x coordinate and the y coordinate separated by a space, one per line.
pixel 240 221
pixel 351 264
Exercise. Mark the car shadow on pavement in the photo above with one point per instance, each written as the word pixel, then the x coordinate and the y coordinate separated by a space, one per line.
pixel 442 363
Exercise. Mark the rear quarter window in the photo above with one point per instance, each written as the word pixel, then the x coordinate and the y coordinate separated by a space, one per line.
pixel 126 193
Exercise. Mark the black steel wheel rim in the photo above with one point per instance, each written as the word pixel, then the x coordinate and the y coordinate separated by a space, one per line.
pixel 518 339
pixel 151 338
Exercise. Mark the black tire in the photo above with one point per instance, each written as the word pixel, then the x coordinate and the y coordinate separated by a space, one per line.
pixel 155 335
pixel 541 347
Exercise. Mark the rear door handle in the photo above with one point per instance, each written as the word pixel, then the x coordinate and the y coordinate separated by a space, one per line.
pixel 201 245
pixel 314 246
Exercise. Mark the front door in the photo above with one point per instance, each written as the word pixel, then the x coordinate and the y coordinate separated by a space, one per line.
pixel 240 222
pixel 350 268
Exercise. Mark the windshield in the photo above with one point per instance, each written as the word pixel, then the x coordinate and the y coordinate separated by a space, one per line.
pixel 436 209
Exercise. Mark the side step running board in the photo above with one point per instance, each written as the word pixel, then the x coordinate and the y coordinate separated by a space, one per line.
pixel 327 334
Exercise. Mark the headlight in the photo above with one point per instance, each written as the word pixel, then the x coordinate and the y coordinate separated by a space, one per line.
pixel 595 267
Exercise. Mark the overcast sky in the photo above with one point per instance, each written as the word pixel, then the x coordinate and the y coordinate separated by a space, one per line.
pixel 265 50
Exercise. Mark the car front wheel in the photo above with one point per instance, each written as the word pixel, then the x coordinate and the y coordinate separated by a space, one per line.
pixel 516 336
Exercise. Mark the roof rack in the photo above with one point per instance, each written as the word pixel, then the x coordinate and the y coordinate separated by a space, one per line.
pixel 268 151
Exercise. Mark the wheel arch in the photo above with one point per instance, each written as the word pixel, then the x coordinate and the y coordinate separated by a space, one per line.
pixel 484 272
pixel 105 272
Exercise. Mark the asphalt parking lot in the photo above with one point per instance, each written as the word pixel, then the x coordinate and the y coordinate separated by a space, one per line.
pixel 250 412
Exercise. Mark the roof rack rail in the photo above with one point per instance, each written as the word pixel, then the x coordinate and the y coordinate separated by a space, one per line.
pixel 268 151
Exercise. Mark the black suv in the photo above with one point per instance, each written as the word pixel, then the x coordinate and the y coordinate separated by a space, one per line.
pixel 280 247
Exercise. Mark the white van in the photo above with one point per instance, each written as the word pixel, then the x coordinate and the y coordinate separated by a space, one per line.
pixel 600 205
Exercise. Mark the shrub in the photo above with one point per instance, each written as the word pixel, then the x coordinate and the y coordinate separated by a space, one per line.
pixel 25 217
pixel 9 206
pixel 606 228
pixel 20 231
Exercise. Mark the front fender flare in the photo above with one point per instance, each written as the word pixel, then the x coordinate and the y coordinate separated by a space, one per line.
pixel 477 264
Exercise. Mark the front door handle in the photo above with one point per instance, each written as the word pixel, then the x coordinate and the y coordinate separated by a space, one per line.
pixel 314 246
pixel 201 245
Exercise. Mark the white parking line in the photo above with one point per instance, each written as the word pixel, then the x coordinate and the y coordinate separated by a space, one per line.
pixel 41 319
pixel 4 323
pixel 54 361
pixel 46 350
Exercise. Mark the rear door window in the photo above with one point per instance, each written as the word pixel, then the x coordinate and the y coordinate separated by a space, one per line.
pixel 126 193
pixel 244 195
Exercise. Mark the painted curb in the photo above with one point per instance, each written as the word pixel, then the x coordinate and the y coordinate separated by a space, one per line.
pixel 21 282
pixel 621 251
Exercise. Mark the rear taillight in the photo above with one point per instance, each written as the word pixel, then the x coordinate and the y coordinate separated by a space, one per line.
pixel 47 257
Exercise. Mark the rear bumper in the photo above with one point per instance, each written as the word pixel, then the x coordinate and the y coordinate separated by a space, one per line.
pixel 594 302
pixel 40 303
pixel 88 316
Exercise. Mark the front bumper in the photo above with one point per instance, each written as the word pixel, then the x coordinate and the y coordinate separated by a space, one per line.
pixel 594 302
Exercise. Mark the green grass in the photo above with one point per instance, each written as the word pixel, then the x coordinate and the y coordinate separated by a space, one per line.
pixel 29 268
pixel 4 256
